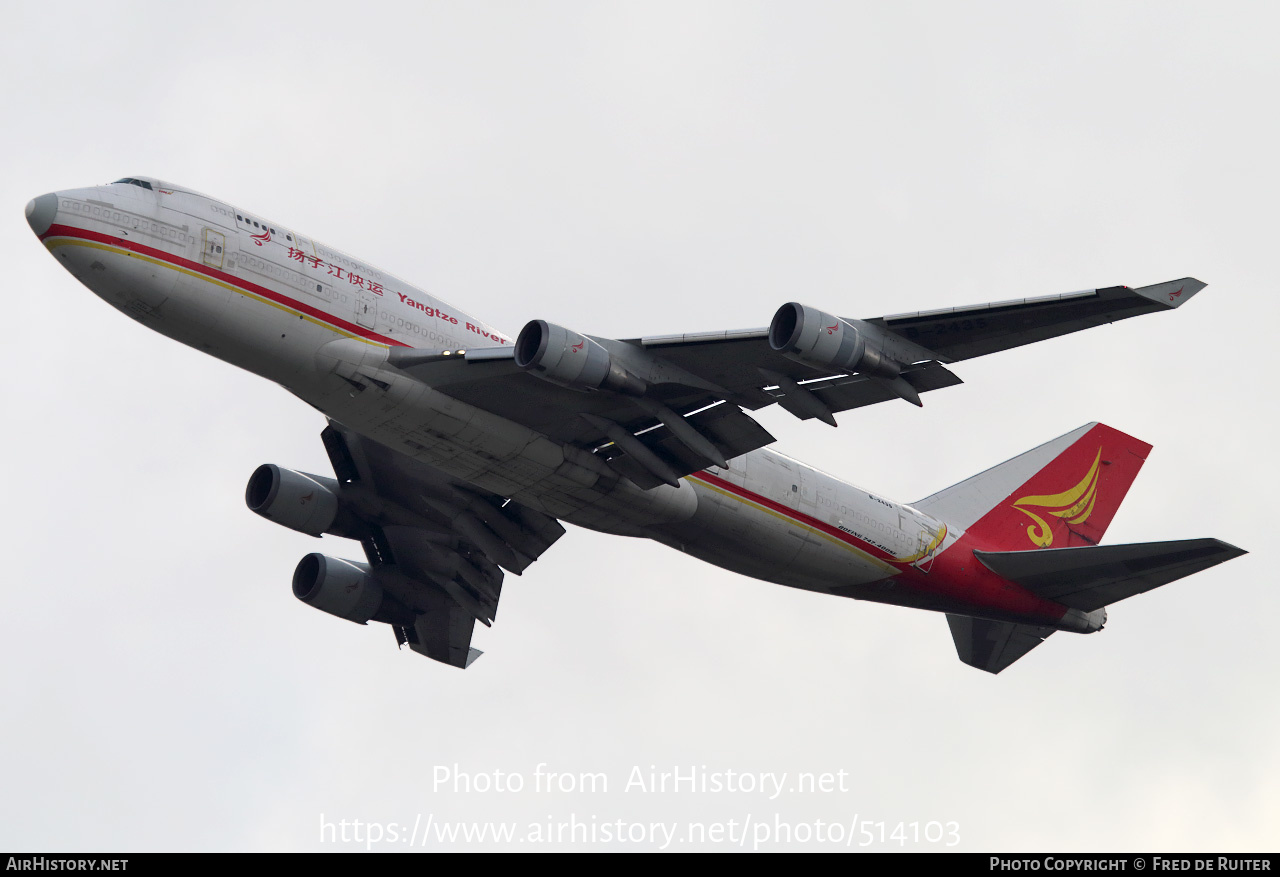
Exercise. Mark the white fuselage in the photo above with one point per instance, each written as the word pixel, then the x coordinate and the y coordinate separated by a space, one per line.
pixel 263 297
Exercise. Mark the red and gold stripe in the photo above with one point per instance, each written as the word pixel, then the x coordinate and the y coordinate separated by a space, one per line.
pixel 64 235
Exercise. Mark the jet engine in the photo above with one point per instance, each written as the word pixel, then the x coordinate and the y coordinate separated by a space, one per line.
pixel 297 500
pixel 813 337
pixel 340 587
pixel 566 358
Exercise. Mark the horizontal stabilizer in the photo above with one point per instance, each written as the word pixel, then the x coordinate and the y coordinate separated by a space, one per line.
pixel 1090 577
pixel 993 645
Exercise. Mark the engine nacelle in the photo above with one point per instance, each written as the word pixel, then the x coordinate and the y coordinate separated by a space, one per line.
pixel 302 502
pixel 340 587
pixel 564 357
pixel 813 337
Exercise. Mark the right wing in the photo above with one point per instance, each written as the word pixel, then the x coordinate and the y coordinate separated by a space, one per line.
pixel 659 408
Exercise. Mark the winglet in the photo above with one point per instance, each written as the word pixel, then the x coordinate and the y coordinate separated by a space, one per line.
pixel 1172 293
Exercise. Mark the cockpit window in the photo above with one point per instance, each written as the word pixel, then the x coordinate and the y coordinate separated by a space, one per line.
pixel 132 182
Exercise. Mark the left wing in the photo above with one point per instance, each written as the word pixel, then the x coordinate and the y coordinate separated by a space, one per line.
pixel 659 408
pixel 435 547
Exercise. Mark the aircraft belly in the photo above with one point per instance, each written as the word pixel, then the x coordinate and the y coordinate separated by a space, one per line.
pixel 146 292
pixel 272 342
pixel 351 384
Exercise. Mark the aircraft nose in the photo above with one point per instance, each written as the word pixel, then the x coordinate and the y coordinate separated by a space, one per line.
pixel 41 211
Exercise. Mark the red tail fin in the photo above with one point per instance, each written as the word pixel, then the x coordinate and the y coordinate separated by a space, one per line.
pixel 1060 494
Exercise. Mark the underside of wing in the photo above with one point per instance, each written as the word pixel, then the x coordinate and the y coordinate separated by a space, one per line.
pixel 441 632
pixel 667 420
pixel 435 548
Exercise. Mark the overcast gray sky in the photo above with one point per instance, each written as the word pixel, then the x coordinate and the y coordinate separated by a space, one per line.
pixel 631 169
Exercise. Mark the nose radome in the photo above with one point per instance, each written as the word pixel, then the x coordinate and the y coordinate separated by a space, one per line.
pixel 41 212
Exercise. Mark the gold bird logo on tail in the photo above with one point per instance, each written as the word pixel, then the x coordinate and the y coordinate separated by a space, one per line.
pixel 1074 505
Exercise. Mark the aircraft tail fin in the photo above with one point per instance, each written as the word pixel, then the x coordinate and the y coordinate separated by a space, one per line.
pixel 1036 520
pixel 1063 493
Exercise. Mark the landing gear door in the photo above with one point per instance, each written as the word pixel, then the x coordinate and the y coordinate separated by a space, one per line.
pixel 214 244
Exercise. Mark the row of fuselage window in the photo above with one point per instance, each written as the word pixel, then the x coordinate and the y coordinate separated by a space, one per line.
pixel 247 221
pixel 122 219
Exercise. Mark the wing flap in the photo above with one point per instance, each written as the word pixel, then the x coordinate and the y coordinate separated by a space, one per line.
pixel 730 431
pixel 855 391
pixel 731 360
pixel 443 633
pixel 436 545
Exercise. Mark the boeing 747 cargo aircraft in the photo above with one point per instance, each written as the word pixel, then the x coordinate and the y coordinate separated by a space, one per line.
pixel 457 451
